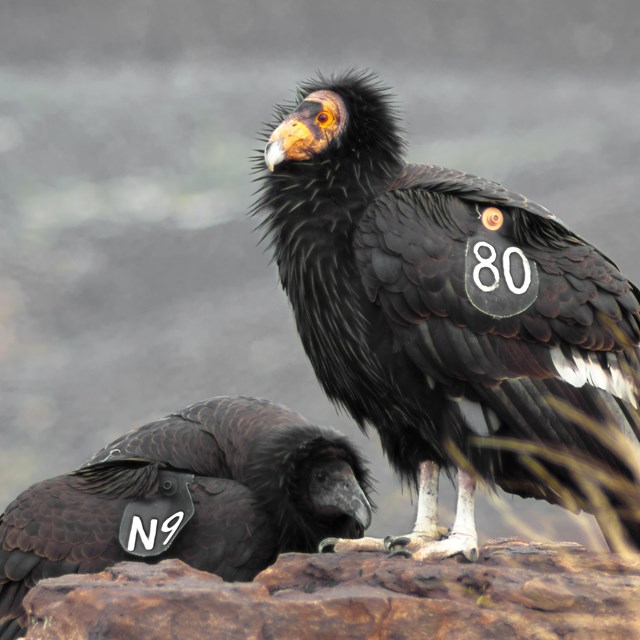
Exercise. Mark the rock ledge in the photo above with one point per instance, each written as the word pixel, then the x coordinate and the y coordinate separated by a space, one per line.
pixel 517 589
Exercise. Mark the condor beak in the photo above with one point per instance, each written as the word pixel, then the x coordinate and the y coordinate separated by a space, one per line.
pixel 341 493
pixel 291 140
pixel 360 508
pixel 350 499
pixel 274 154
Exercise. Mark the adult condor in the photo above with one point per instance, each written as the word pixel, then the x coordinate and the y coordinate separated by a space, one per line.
pixel 225 485
pixel 465 323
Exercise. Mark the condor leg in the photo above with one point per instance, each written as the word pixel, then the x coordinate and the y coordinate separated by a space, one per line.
pixel 425 529
pixel 422 543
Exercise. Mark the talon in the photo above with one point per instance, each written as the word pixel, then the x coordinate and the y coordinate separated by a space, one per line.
pixel 471 555
pixel 401 553
pixel 328 545
pixel 399 541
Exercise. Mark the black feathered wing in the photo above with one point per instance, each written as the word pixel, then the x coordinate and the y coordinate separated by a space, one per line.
pixel 472 188
pixel 70 524
pixel 261 444
pixel 52 529
pixel 244 453
pixel 575 339
pixel 210 438
pixel 230 533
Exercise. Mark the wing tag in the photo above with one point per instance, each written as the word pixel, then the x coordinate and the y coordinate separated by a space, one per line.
pixel 149 527
pixel 499 279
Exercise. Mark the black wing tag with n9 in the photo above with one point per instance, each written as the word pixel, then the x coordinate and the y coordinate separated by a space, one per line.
pixel 148 527
pixel 499 279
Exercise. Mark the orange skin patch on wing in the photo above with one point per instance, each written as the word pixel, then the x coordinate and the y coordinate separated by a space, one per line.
pixel 312 126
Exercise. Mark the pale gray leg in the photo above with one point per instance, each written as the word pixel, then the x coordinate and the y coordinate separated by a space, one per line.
pixel 463 538
pixel 427 516
pixel 465 522
pixel 424 542
pixel 426 527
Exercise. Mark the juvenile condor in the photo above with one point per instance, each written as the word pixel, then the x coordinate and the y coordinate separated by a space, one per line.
pixel 465 323
pixel 251 478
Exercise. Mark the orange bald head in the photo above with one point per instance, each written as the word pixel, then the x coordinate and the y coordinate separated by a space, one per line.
pixel 309 130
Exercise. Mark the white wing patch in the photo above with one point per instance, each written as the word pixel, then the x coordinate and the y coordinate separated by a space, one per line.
pixel 584 368
pixel 479 418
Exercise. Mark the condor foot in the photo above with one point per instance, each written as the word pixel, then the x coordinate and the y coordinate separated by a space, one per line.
pixel 421 547
pixel 416 539
pixel 342 545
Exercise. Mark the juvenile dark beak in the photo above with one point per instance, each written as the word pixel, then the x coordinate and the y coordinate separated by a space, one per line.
pixel 360 508
pixel 341 493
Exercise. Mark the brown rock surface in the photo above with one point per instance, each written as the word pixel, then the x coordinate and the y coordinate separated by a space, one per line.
pixel 517 589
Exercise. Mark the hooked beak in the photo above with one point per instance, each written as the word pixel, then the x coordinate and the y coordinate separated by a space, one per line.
pixel 291 140
pixel 274 154
pixel 346 496
pixel 361 508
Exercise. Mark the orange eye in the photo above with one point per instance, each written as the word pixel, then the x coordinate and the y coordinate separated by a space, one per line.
pixel 324 118
pixel 492 218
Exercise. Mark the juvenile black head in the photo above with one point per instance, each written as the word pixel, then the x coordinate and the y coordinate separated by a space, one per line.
pixel 314 483
pixel 333 492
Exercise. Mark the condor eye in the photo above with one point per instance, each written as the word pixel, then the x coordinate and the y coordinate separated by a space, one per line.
pixel 321 476
pixel 324 118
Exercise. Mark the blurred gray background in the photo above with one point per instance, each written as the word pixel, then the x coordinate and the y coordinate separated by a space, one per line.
pixel 130 280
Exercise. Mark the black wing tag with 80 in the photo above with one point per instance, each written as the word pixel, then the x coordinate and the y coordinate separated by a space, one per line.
pixel 499 279
pixel 149 526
